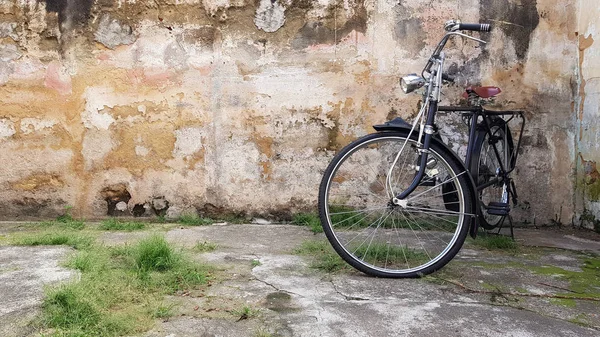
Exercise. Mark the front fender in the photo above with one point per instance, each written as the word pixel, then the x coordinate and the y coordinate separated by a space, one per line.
pixel 393 125
pixel 399 124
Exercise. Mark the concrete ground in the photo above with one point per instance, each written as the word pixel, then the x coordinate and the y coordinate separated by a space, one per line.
pixel 480 293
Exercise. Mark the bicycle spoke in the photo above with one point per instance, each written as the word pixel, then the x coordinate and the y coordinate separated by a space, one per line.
pixel 437 211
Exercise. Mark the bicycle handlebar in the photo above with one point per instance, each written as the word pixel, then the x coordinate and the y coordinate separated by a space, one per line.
pixel 476 27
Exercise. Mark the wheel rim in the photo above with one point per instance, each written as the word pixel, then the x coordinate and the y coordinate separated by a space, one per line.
pixel 370 232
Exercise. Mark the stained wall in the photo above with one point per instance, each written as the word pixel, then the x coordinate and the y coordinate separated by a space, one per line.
pixel 234 106
pixel 588 116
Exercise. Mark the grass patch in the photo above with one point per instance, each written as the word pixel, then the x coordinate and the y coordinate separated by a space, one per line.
pixel 383 253
pixel 63 224
pixel 160 267
pixel 357 218
pixel 53 238
pixel 65 221
pixel 323 256
pixel 494 242
pixel 163 311
pixel 154 254
pixel 68 221
pixel 113 224
pixel 204 247
pixel 310 220
pixel 194 220
pixel 245 313
pixel 121 289
pixel 255 263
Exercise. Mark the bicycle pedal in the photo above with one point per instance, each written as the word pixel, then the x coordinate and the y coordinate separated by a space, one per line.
pixel 498 208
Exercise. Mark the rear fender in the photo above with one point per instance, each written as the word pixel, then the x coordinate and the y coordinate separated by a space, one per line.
pixel 399 124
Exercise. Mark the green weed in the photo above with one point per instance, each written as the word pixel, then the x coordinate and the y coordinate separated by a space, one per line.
pixel 53 238
pixel 69 307
pixel 163 311
pixel 66 224
pixel 194 220
pixel 113 224
pixel 392 255
pixel 354 219
pixel 310 220
pixel 204 247
pixel 245 313
pixel 64 221
pixel 107 301
pixel 120 289
pixel 495 242
pixel 323 256
pixel 154 254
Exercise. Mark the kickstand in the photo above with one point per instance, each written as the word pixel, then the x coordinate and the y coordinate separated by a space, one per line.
pixel 512 234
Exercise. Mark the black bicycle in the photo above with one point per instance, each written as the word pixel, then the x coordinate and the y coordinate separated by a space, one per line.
pixel 400 202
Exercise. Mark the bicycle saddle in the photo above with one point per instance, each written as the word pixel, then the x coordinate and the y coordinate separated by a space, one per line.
pixel 483 92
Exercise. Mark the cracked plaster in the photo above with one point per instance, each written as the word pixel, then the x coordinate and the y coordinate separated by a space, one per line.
pixel 257 96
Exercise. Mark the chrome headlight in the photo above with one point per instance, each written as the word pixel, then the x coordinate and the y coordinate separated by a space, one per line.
pixel 410 83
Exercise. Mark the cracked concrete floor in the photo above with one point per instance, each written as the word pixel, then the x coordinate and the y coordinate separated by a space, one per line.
pixel 296 300
pixel 264 289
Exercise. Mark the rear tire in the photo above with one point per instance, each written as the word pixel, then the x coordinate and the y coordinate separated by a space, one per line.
pixel 378 237
pixel 485 164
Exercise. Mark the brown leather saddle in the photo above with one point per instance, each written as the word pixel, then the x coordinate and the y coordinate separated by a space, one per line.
pixel 481 92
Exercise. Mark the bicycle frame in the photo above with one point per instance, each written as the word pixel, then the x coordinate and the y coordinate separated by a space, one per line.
pixel 432 78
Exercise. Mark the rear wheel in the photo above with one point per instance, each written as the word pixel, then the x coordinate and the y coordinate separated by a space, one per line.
pixel 491 149
pixel 411 238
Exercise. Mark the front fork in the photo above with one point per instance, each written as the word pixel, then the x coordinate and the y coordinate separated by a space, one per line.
pixel 423 152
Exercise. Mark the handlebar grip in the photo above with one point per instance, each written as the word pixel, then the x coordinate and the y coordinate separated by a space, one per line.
pixel 477 27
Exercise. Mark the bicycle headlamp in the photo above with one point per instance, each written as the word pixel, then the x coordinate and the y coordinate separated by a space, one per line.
pixel 410 83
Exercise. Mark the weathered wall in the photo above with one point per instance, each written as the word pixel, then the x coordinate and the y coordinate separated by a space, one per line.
pixel 130 107
pixel 588 116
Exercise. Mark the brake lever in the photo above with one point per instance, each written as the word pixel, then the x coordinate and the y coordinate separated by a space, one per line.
pixel 467 36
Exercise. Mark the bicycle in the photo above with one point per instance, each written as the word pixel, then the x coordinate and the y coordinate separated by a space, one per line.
pixel 399 202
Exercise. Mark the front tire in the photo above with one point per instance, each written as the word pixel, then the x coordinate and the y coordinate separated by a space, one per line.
pixel 383 239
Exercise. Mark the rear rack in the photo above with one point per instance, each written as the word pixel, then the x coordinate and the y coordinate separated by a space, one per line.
pixel 507 115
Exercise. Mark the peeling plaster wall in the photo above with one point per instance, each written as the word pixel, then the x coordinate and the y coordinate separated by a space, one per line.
pixel 164 107
pixel 588 116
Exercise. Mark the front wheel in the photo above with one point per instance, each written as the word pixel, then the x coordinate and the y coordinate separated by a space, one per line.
pixel 380 237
